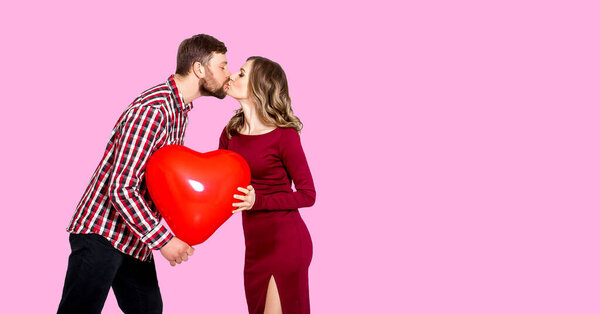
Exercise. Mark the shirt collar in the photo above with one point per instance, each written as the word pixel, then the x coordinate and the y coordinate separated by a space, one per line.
pixel 178 97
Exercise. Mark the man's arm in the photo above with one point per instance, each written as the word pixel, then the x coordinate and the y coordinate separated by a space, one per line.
pixel 143 129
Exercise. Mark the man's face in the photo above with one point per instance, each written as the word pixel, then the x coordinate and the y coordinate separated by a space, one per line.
pixel 216 79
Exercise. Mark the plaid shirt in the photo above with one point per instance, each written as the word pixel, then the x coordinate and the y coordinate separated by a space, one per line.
pixel 116 203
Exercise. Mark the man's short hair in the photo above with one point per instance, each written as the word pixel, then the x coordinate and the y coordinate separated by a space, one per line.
pixel 198 48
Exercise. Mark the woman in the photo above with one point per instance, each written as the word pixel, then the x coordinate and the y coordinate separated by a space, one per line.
pixel 265 132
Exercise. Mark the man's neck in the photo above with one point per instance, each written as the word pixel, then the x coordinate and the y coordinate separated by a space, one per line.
pixel 188 87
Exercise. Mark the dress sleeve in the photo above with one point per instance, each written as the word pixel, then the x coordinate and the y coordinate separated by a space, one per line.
pixel 294 161
pixel 143 130
pixel 223 140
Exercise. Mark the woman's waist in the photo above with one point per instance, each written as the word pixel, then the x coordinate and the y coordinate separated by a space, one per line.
pixel 261 224
pixel 270 187
pixel 269 219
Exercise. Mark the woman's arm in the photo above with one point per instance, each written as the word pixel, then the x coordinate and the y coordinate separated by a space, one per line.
pixel 294 160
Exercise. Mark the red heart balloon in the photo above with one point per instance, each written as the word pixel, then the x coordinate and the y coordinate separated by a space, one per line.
pixel 194 191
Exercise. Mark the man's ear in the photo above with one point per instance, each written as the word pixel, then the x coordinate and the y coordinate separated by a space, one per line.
pixel 198 69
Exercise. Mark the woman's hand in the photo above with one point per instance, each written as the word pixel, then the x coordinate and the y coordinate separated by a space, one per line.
pixel 247 200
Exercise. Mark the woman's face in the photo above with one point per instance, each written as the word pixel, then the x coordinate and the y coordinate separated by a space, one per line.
pixel 238 86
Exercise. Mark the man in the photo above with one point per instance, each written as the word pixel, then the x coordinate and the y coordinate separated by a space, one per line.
pixel 116 225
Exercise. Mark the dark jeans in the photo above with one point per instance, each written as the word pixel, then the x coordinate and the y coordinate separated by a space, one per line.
pixel 95 266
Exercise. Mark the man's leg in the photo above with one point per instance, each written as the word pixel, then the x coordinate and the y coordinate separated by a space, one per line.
pixel 136 287
pixel 93 264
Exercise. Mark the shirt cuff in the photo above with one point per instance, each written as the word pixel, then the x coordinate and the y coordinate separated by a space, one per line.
pixel 157 237
pixel 258 202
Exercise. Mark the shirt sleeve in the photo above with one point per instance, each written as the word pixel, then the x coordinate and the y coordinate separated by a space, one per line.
pixel 294 160
pixel 223 140
pixel 143 129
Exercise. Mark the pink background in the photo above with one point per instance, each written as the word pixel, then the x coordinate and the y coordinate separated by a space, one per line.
pixel 454 145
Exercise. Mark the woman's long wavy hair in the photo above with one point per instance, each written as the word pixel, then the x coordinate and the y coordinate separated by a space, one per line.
pixel 268 89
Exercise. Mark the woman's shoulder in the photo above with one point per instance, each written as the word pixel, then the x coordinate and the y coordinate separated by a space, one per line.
pixel 224 132
pixel 288 136
pixel 224 139
pixel 288 131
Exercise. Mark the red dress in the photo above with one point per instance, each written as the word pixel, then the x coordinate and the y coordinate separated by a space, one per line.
pixel 277 240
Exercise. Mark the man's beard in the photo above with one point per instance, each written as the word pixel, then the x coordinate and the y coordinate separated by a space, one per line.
pixel 209 87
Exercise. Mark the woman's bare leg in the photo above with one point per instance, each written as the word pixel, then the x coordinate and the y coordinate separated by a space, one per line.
pixel 273 304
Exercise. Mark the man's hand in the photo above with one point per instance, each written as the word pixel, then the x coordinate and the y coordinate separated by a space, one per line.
pixel 176 251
